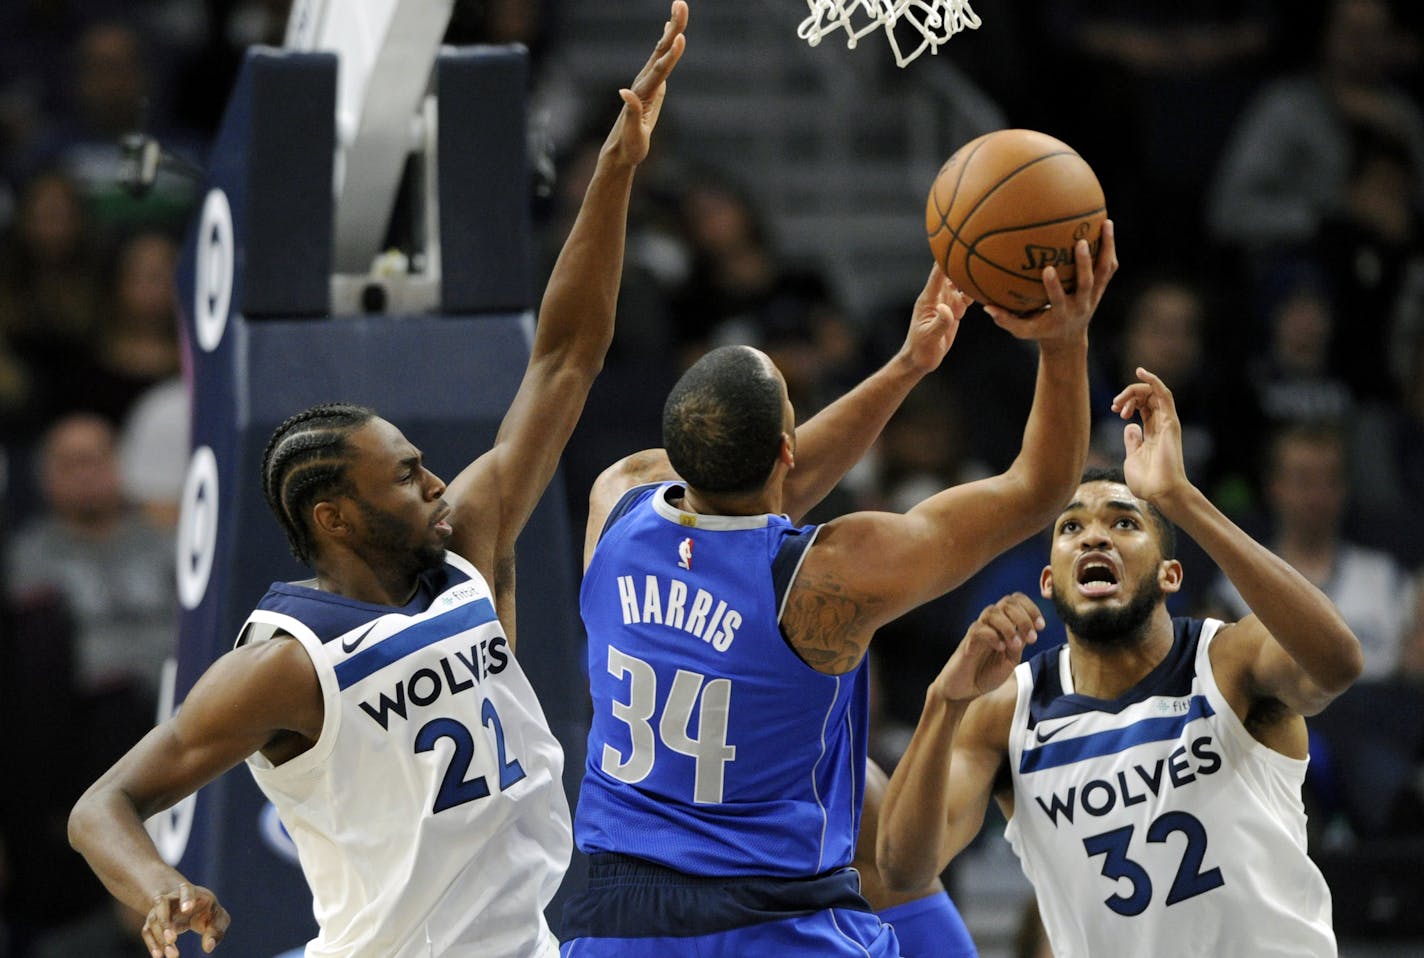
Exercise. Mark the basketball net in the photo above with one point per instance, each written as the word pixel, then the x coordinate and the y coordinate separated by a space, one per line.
pixel 935 21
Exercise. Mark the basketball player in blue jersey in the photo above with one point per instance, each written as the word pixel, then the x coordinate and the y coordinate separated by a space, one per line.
pixel 1150 769
pixel 722 795
pixel 379 705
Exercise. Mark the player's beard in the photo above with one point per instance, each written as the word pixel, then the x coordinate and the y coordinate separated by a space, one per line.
pixel 391 536
pixel 1112 627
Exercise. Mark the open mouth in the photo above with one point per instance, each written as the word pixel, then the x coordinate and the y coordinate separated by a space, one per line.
pixel 1096 577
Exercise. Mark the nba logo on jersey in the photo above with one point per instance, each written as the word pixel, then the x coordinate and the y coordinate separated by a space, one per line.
pixel 684 554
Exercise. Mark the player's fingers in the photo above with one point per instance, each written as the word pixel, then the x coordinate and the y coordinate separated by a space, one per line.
pixel 1155 381
pixel 1020 327
pixel 1107 263
pixel 1132 437
pixel 1001 628
pixel 664 64
pixel 1133 394
pixel 1083 265
pixel 160 918
pixel 664 56
pixel 679 15
pixel 215 928
pixel 1053 286
pixel 1023 610
pixel 939 319
pixel 152 938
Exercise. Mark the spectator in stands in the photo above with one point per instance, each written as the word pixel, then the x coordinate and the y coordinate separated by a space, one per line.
pixel 137 343
pixel 1287 164
pixel 50 277
pixel 1368 768
pixel 741 291
pixel 1387 463
pixel 1306 486
pixel 1290 378
pixel 112 93
pixel 114 570
pixel 153 452
pixel 1163 82
pixel 1372 248
pixel 1164 331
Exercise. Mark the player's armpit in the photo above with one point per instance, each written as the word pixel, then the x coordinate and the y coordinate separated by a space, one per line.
pixel 1251 666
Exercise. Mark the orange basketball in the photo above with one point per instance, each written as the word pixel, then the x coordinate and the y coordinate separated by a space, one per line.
pixel 1006 205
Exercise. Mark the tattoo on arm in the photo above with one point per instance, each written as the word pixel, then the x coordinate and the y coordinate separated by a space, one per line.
pixel 823 623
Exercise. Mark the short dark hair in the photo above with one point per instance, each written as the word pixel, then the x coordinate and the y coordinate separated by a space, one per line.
pixel 305 461
pixel 1166 531
pixel 1313 432
pixel 722 423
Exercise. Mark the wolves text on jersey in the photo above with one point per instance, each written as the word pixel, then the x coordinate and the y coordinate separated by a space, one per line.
pixel 666 603
pixel 1129 787
pixel 489 656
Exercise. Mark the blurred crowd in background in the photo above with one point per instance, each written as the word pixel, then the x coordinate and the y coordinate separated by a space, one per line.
pixel 1264 163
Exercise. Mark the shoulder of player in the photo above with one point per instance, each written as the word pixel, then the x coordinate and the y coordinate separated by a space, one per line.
pixel 844 562
pixel 264 682
pixel 638 469
pixel 1235 645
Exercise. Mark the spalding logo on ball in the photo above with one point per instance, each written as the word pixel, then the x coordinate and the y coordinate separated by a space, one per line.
pixel 1006 205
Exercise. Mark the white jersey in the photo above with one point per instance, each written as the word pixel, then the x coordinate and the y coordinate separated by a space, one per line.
pixel 430 816
pixel 1155 824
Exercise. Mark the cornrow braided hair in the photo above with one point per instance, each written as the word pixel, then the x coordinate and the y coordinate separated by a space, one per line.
pixel 304 462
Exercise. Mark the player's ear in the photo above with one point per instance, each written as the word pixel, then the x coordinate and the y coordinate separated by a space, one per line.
pixel 787 453
pixel 327 518
pixel 1045 582
pixel 1169 575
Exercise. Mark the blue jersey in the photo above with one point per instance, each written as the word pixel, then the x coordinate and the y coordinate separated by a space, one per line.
pixel 714 749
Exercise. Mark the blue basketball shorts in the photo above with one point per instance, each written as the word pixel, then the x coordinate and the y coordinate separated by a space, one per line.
pixel 635 909
pixel 930 928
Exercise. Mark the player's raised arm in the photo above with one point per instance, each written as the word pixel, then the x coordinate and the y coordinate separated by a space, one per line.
pixel 240 706
pixel 1299 650
pixel 935 803
pixel 495 495
pixel 831 442
pixel 869 568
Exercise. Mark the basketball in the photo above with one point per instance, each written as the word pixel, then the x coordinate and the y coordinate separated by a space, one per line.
pixel 1006 205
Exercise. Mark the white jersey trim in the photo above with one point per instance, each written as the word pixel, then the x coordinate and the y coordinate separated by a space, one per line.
pixel 696 520
pixel 330 692
pixel 1232 723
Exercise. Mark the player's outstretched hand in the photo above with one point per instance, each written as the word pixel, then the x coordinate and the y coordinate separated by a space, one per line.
pixel 934 321
pixel 643 100
pixel 1154 466
pixel 185 908
pixel 1067 314
pixel 987 654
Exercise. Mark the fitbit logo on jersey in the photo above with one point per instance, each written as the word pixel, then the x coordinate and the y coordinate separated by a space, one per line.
pixel 665 603
pixel 1131 786
pixel 425 685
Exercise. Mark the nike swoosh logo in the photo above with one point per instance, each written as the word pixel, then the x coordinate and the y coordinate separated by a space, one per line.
pixel 355 643
pixel 1045 736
